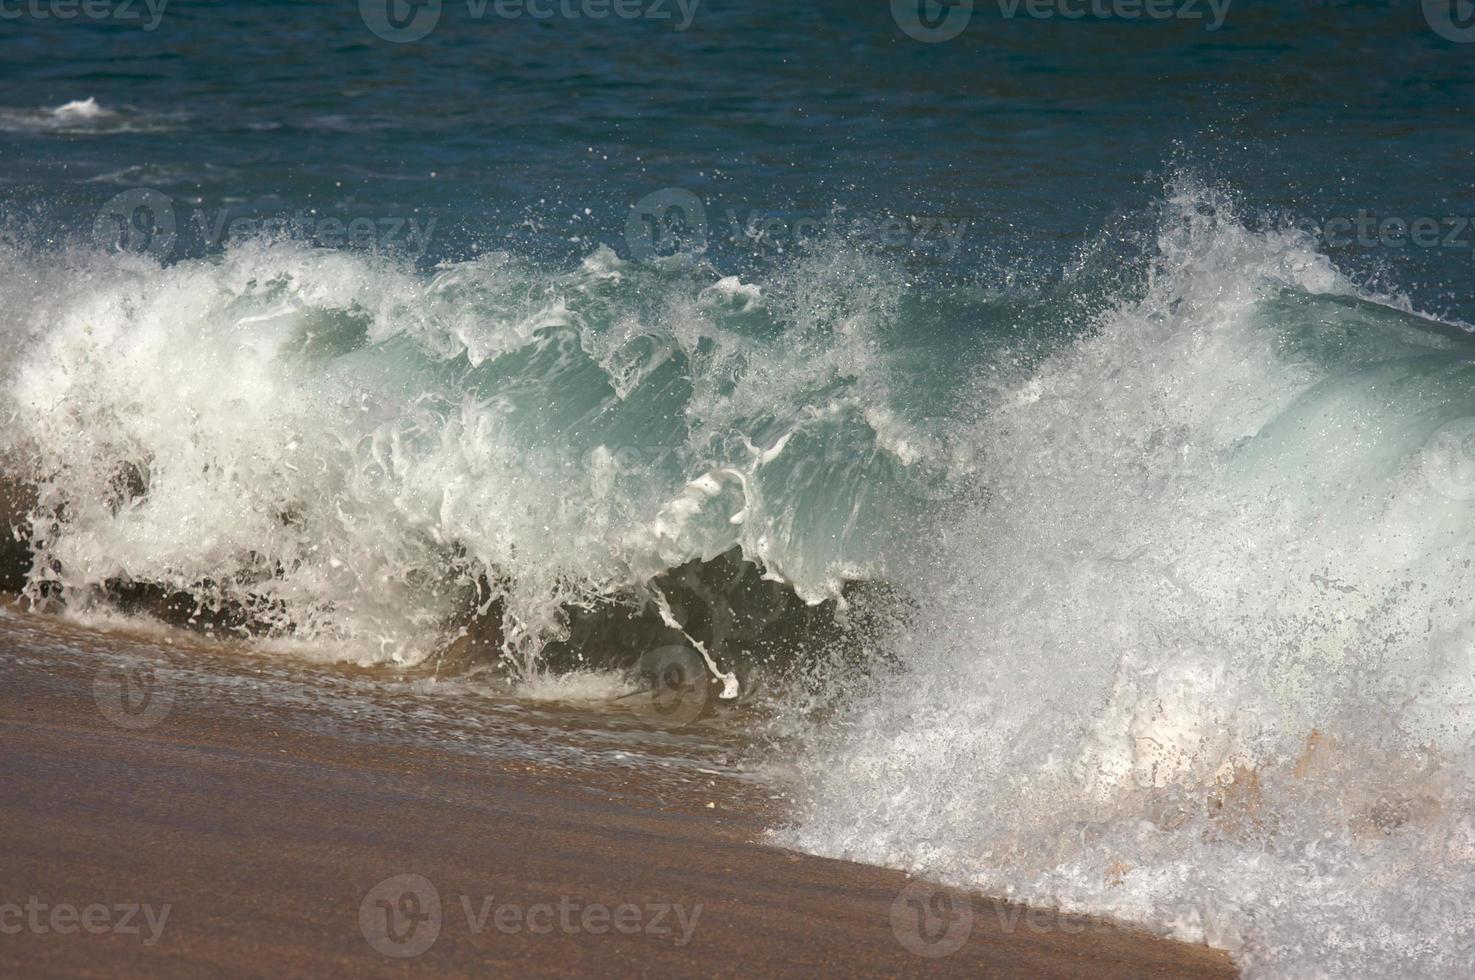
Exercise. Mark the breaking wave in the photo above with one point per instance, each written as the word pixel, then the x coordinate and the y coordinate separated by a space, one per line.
pixel 1184 544
pixel 338 447
pixel 1200 654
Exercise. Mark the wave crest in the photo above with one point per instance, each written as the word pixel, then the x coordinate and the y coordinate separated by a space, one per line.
pixel 1201 654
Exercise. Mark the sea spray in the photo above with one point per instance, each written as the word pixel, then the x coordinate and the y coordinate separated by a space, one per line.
pixel 1200 658
pixel 346 450
pixel 1184 639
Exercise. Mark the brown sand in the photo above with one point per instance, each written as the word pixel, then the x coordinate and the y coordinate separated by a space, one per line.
pixel 264 836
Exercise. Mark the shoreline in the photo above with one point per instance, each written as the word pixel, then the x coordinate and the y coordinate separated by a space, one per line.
pixel 283 845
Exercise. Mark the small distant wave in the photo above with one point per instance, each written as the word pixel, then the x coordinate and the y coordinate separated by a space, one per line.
pixel 84 117
pixel 81 109
pixel 338 123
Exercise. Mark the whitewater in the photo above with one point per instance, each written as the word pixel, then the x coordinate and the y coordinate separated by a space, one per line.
pixel 1184 551
pixel 1201 656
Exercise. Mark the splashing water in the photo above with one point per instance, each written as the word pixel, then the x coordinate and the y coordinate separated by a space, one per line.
pixel 1193 576
pixel 354 452
pixel 1201 658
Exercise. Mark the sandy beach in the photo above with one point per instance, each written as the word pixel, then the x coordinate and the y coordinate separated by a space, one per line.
pixel 212 832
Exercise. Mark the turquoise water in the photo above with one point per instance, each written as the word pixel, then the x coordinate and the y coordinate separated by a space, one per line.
pixel 1129 354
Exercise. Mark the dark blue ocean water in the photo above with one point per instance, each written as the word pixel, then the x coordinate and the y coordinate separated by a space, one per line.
pixel 1035 134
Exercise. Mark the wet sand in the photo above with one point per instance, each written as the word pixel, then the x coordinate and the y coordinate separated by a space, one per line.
pixel 267 829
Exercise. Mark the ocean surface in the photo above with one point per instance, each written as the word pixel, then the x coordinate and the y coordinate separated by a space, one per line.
pixel 1063 426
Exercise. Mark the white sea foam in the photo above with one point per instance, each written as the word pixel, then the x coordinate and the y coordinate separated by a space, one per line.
pixel 86 117
pixel 80 109
pixel 598 687
pixel 344 445
pixel 1202 656
pixel 1194 651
